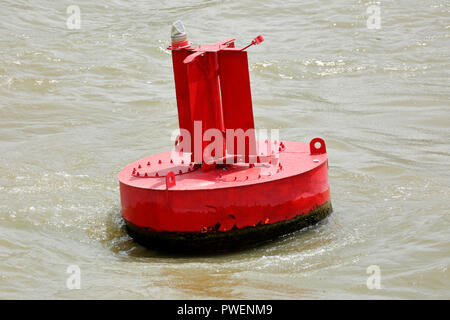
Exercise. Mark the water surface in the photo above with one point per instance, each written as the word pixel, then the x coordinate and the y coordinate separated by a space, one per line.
pixel 78 105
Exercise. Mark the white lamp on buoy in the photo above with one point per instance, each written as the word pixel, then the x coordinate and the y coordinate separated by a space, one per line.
pixel 178 35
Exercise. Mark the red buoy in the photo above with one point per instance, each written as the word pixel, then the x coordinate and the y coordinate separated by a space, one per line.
pixel 221 188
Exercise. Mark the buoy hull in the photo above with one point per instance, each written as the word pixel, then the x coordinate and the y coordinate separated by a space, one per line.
pixel 227 207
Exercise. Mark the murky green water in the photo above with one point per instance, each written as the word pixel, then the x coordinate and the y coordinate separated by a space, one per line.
pixel 78 105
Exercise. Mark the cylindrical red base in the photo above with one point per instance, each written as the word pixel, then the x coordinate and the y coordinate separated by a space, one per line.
pixel 229 204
